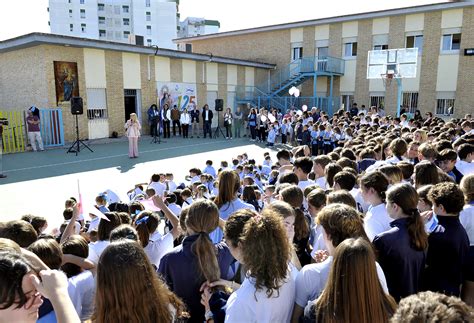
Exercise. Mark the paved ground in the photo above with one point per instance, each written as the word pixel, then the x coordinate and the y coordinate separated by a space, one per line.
pixel 39 183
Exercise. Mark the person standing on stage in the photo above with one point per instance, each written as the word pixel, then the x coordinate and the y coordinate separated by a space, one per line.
pixel 175 115
pixel 185 120
pixel 238 120
pixel 166 117
pixel 228 120
pixel 153 116
pixel 34 134
pixel 207 120
pixel 132 126
pixel 195 121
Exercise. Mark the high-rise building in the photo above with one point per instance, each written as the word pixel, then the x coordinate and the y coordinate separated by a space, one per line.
pixel 193 26
pixel 141 22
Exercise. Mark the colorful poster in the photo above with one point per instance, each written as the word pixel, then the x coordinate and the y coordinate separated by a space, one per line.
pixel 183 95
pixel 66 80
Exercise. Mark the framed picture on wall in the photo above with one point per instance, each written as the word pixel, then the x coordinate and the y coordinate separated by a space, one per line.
pixel 66 81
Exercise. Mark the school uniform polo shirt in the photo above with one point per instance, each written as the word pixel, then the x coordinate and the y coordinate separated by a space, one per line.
pixel 401 263
pixel 376 221
pixel 224 212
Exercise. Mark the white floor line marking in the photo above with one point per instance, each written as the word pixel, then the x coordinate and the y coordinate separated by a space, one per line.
pixel 107 157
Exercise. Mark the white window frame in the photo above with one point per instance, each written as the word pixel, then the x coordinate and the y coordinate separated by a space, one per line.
pixel 102 33
pixel 416 39
pixel 381 47
pixel 148 42
pixel 83 13
pixel 83 28
pixel 101 20
pixel 377 100
pixel 350 49
pixel 126 33
pixel 126 9
pixel 148 30
pixel 71 27
pixel 148 16
pixel 445 106
pixel 410 101
pixel 70 13
pixel 296 52
pixel 147 3
pixel 82 1
pixel 450 37
pixel 126 21
pixel 100 7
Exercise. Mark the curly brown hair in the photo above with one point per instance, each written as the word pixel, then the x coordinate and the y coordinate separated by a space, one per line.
pixel 266 251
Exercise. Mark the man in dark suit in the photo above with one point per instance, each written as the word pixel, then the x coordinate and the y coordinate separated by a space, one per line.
pixel 207 120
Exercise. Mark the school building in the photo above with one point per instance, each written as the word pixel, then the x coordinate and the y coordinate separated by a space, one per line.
pixel 114 80
pixel 327 58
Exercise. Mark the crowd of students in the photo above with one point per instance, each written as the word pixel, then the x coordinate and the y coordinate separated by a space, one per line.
pixel 373 225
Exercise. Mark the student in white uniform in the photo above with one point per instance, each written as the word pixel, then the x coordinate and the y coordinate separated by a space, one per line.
pixel 103 233
pixel 156 245
pixel 302 168
pixel 267 293
pixel 467 220
pixel 319 164
pixel 339 222
pixel 373 187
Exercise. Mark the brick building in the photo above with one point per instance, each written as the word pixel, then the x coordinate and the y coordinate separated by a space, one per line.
pixel 440 31
pixel 115 79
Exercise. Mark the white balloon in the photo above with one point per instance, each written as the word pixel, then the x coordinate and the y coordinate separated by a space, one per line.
pixel 304 108
pixel 297 93
pixel 299 112
pixel 271 118
pixel 292 90
pixel 263 118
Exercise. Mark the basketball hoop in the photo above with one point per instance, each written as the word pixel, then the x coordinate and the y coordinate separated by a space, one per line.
pixel 387 78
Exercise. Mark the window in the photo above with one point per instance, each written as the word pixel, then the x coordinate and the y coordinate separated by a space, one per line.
pixel 189 48
pixel 380 47
pixel 415 42
pixel 71 27
pixel 410 101
pixel 126 22
pixel 377 101
pixel 451 42
pixel 347 101
pixel 296 53
pixel 126 9
pixel 322 53
pixel 83 13
pixel 117 10
pixel 102 33
pixel 101 20
pixel 126 34
pixel 148 42
pixel 148 30
pixel 83 28
pixel 118 22
pixel 118 35
pixel 101 7
pixel 445 106
pixel 148 16
pixel 70 13
pixel 350 49
pixel 147 3
pixel 82 1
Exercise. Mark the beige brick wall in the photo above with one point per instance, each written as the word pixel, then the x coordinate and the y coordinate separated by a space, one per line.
pixel 364 44
pixel 201 87
pixel 29 86
pixel 309 48
pixel 176 69
pixel 269 47
pixel 396 39
pixel 115 97
pixel 148 91
pixel 429 62
pixel 335 49
pixel 465 88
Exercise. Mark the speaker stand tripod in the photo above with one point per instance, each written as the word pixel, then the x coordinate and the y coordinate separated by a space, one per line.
pixel 76 146
pixel 218 129
pixel 157 134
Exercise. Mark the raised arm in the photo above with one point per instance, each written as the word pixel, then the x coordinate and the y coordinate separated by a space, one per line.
pixel 158 201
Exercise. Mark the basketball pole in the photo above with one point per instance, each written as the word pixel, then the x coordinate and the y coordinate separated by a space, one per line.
pixel 399 95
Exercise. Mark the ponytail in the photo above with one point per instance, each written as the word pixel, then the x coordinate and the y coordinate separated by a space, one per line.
pixel 205 252
pixel 416 230
pixel 301 225
pixel 142 230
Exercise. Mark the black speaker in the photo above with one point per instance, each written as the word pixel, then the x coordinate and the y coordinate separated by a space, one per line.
pixel 77 106
pixel 219 105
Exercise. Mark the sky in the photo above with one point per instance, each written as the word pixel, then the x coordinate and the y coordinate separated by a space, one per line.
pixel 26 16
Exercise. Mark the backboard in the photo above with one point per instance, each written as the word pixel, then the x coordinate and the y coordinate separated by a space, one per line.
pixel 402 63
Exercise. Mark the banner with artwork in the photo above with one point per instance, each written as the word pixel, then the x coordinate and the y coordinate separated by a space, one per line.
pixel 183 95
pixel 66 81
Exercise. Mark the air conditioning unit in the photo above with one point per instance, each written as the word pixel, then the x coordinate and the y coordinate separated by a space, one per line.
pixel 135 40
